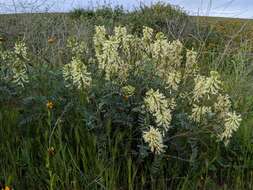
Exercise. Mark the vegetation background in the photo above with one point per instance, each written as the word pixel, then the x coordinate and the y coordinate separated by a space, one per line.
pixel 82 155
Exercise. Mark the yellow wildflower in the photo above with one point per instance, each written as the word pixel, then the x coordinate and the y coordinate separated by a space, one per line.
pixel 6 188
pixel 51 151
pixel 51 40
pixel 50 105
pixel 2 39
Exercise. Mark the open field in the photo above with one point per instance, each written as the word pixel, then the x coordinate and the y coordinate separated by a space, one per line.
pixel 107 99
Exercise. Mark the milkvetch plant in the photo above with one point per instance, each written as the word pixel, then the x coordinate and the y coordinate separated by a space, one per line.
pixel 168 82
pixel 143 81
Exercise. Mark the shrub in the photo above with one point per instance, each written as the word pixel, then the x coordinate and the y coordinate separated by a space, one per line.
pixel 171 20
pixel 142 92
pixel 159 82
pixel 166 85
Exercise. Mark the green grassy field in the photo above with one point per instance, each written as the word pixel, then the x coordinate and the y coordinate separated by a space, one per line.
pixel 151 99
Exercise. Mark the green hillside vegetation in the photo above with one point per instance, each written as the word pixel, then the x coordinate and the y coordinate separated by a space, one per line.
pixel 110 99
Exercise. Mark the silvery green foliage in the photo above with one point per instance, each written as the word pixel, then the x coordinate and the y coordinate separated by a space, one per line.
pixel 170 85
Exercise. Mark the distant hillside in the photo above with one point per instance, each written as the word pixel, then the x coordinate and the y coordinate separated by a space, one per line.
pixel 210 32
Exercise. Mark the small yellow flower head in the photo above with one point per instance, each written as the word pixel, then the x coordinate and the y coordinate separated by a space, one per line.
pixel 7 188
pixel 51 40
pixel 51 151
pixel 50 105
pixel 154 139
pixel 2 39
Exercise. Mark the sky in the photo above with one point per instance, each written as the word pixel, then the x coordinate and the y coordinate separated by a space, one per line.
pixel 223 8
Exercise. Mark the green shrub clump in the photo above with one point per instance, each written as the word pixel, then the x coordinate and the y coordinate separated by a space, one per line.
pixel 161 83
pixel 159 80
pixel 145 86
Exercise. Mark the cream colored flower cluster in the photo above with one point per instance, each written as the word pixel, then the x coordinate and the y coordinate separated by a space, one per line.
pixel 207 86
pixel 76 74
pixel 15 64
pixel 168 57
pixel 232 122
pixel 20 76
pixel 209 99
pixel 122 55
pixel 113 52
pixel 147 39
pixel 198 112
pixel 154 139
pixel 158 106
pixel 21 50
